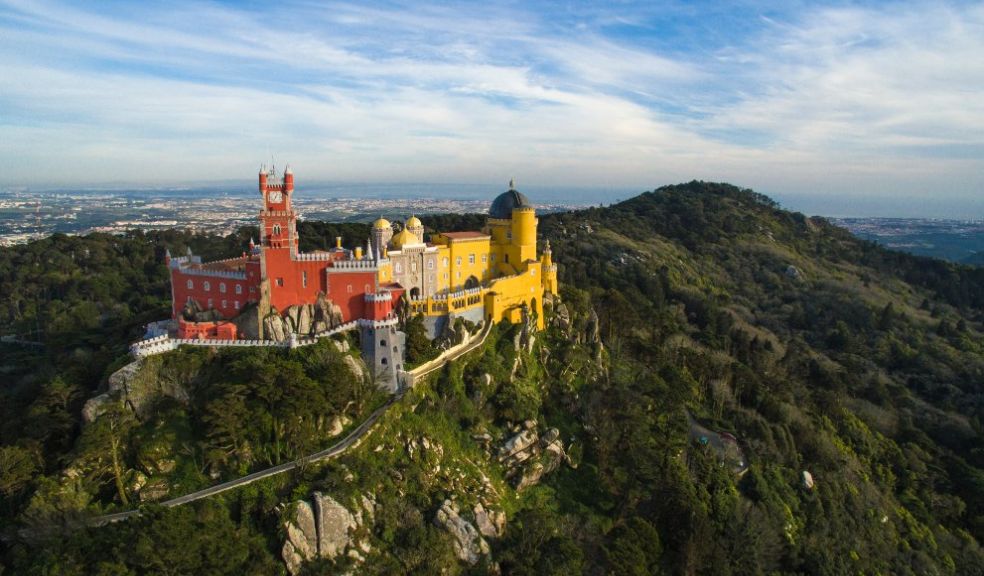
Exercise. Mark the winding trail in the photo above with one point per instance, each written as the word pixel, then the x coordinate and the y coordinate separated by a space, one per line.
pixel 351 440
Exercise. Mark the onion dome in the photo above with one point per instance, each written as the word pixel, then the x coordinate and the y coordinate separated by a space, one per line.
pixel 381 224
pixel 504 203
pixel 404 238
pixel 414 222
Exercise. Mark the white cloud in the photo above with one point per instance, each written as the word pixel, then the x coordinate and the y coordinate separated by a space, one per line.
pixel 825 99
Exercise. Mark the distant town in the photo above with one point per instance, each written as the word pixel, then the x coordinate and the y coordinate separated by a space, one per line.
pixel 28 214
pixel 25 215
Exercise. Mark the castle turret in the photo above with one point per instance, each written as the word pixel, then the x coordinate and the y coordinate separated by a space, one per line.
pixel 263 179
pixel 288 179
pixel 416 227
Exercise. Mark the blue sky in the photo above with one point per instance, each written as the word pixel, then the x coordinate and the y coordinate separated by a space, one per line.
pixel 871 99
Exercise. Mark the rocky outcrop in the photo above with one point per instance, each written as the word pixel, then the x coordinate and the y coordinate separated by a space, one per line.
pixel 325 529
pixel 248 323
pixel 275 328
pixel 302 319
pixel 301 544
pixel 490 523
pixel 136 387
pixel 334 523
pixel 468 542
pixel 528 456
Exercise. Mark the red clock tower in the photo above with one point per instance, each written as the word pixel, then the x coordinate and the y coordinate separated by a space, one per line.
pixel 277 219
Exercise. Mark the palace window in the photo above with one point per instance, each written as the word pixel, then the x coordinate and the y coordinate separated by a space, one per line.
pixel 445 275
pixel 445 261
pixel 532 271
pixel 493 257
pixel 276 229
pixel 398 268
pixel 207 286
pixel 430 264
pixel 506 258
pixel 382 342
pixel 349 289
pixel 235 304
pixel 383 361
pixel 222 287
pixel 457 261
pixel 225 304
pixel 459 275
pixel 252 289
pixel 304 278
pixel 191 285
pixel 210 304
pixel 239 288
pixel 485 258
pixel 413 266
pixel 280 282
pixel 471 258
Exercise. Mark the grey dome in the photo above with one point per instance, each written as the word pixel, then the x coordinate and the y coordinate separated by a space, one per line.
pixel 503 205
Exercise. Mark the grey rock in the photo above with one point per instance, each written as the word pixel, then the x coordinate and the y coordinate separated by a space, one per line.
pixel 302 538
pixel 516 447
pixel 334 523
pixel 304 319
pixel 490 523
pixel 468 542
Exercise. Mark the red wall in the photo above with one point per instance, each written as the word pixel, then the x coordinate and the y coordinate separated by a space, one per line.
pixel 181 292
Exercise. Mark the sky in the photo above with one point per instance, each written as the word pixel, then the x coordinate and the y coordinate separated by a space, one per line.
pixel 870 102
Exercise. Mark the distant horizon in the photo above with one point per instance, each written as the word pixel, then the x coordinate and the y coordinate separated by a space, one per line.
pixel 830 206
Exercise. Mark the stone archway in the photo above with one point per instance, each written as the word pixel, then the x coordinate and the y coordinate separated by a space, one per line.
pixel 471 282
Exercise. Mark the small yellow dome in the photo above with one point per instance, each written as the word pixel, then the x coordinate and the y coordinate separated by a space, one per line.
pixel 381 224
pixel 403 238
pixel 414 222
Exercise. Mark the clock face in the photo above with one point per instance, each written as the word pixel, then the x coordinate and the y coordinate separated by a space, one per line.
pixel 276 197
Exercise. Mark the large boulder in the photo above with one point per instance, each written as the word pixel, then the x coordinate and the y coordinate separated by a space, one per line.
pixel 468 542
pixel 304 320
pixel 301 544
pixel 517 448
pixel 334 523
pixel 490 523
pixel 275 328
pixel 248 323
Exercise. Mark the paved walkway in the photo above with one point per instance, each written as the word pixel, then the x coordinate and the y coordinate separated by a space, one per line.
pixel 351 440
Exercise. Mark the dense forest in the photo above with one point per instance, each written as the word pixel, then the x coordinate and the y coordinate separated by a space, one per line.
pixel 851 378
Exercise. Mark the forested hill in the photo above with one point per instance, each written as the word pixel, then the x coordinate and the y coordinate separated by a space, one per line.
pixel 822 352
pixel 851 378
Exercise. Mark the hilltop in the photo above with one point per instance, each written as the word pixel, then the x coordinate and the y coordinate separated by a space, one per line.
pixel 699 325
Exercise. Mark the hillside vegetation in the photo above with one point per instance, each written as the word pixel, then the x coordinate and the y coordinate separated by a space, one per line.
pixel 694 303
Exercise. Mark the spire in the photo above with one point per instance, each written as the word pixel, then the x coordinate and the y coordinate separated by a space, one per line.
pixel 512 183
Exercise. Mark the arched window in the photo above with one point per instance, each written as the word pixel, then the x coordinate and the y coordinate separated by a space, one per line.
pixel 239 288
pixel 225 304
pixel 445 261
pixel 222 287
pixel 382 342
pixel 207 286
pixel 430 264
pixel 235 304
pixel 383 361
pixel 394 349
pixel 191 285
pixel 457 261
pixel 398 268
pixel 276 229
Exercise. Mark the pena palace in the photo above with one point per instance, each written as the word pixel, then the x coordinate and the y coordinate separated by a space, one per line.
pixel 274 290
